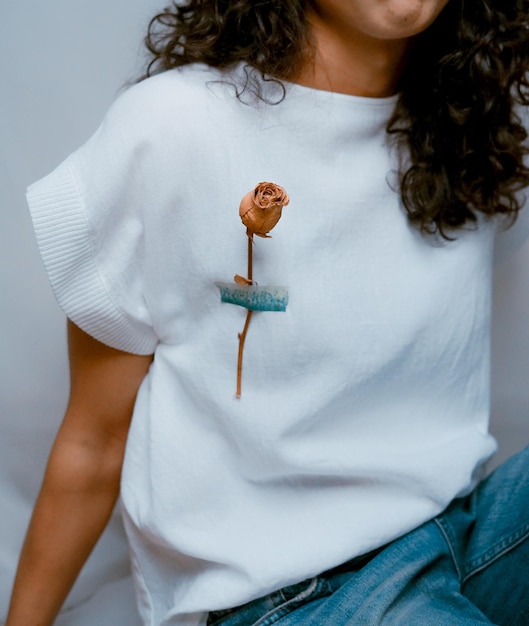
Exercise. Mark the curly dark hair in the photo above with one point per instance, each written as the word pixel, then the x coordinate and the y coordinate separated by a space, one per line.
pixel 458 107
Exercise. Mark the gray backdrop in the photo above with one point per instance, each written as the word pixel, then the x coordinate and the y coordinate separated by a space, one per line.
pixel 61 64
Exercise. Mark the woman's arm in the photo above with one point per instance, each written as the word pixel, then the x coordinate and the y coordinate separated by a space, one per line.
pixel 81 483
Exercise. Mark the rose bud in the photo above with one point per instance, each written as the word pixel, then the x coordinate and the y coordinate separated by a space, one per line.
pixel 261 208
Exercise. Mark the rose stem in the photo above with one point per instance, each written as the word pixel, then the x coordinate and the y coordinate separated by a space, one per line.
pixel 242 336
pixel 250 254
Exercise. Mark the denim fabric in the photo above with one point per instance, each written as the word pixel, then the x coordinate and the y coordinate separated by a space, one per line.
pixel 468 566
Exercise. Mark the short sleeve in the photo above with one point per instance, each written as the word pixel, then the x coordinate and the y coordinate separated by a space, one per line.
pixel 88 221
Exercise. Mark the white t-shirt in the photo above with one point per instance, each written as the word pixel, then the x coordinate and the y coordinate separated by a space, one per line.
pixel 365 405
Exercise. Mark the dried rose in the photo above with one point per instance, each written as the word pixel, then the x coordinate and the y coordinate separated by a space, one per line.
pixel 261 208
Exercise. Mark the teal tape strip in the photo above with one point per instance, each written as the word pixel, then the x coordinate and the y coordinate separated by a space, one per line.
pixel 253 297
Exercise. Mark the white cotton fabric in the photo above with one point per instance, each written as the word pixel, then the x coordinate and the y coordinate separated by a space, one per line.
pixel 364 407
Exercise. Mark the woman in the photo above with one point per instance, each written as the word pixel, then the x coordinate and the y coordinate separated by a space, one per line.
pixel 341 483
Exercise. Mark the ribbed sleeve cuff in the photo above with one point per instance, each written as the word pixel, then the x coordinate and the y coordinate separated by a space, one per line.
pixel 64 240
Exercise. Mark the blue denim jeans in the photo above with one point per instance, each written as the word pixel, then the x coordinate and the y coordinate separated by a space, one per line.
pixel 468 566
